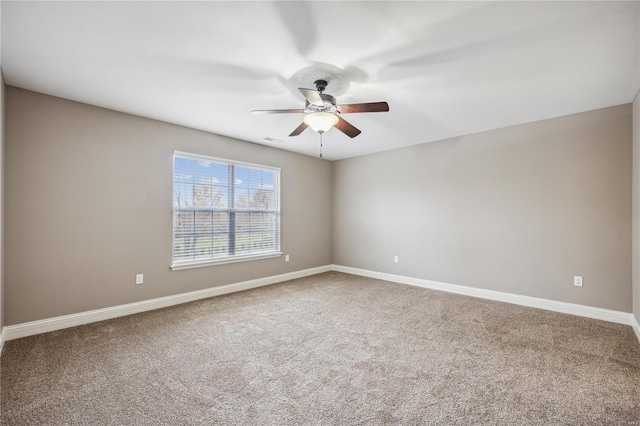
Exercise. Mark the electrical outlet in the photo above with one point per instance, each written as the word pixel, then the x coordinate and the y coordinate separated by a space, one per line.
pixel 286 257
pixel 577 281
pixel 396 259
pixel 139 278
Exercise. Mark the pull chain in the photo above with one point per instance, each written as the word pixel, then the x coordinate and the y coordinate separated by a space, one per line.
pixel 321 144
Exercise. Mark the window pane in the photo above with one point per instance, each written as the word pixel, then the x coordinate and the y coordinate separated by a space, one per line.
pixel 203 211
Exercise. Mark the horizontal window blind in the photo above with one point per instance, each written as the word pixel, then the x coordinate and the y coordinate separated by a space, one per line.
pixel 223 209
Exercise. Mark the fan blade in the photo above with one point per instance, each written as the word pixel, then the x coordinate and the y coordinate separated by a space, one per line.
pixel 312 96
pixel 301 128
pixel 368 107
pixel 347 128
pixel 276 111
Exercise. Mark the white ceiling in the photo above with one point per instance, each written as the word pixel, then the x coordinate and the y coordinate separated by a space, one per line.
pixel 446 69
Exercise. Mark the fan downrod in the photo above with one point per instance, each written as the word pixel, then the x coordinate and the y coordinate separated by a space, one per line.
pixel 320 85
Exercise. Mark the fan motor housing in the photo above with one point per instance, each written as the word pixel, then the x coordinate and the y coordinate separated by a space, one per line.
pixel 329 104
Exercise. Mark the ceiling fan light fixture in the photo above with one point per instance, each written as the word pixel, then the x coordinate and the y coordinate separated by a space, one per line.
pixel 320 121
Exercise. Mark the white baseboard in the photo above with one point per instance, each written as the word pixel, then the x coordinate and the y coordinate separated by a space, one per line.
pixel 635 326
pixel 1 339
pixel 51 324
pixel 534 302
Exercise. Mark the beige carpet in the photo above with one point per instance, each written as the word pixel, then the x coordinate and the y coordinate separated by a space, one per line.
pixel 328 349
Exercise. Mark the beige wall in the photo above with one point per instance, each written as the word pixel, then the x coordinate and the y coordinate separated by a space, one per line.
pixel 2 110
pixel 88 205
pixel 636 200
pixel 521 209
pixel 636 208
pixel 2 89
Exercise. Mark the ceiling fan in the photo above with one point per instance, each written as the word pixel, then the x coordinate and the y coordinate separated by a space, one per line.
pixel 322 111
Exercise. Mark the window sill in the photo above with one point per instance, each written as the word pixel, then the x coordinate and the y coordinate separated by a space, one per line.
pixel 234 259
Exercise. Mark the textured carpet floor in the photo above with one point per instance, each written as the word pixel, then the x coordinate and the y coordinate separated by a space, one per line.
pixel 327 349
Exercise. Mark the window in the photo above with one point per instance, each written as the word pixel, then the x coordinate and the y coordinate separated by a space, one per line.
pixel 223 211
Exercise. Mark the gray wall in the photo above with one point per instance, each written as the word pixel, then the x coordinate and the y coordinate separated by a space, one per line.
pixel 636 208
pixel 521 209
pixel 88 205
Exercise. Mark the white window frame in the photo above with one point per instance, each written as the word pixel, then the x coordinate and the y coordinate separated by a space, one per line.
pixel 232 211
